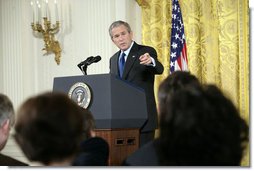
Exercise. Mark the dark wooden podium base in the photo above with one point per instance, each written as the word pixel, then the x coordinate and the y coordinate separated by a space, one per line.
pixel 122 142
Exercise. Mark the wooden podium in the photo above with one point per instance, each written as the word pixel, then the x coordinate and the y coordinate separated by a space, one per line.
pixel 122 142
pixel 119 110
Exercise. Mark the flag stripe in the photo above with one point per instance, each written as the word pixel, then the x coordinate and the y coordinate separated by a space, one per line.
pixel 178 48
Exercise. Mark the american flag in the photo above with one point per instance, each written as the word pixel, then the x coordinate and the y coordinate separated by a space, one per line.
pixel 178 49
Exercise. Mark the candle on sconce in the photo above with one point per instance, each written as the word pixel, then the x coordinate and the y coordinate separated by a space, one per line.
pixel 43 7
pixel 39 13
pixel 56 11
pixel 32 5
pixel 43 26
pixel 47 9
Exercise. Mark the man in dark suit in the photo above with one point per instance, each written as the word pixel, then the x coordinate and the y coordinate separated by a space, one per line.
pixel 8 161
pixel 138 65
pixel 7 120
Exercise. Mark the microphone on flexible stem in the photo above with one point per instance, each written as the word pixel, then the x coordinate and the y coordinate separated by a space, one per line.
pixel 83 68
pixel 97 58
pixel 94 60
pixel 85 61
pixel 83 65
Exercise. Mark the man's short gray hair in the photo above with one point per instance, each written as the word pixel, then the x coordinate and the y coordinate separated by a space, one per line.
pixel 6 110
pixel 117 24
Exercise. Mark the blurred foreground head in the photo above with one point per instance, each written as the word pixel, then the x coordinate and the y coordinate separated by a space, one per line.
pixel 199 126
pixel 49 128
pixel 7 119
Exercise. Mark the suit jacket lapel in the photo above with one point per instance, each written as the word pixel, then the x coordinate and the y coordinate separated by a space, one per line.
pixel 132 57
pixel 114 64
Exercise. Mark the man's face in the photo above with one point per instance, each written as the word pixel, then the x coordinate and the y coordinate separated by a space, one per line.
pixel 121 37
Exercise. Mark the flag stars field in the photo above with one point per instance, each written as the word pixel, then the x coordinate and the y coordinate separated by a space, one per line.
pixel 178 49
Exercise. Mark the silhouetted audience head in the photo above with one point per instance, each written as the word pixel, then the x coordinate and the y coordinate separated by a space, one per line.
pixel 49 129
pixel 94 151
pixel 7 119
pixel 199 126
pixel 174 82
pixel 89 124
pixel 147 154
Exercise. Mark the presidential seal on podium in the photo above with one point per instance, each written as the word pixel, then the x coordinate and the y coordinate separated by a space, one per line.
pixel 81 94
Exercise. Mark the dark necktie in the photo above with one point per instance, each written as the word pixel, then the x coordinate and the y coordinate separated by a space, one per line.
pixel 121 64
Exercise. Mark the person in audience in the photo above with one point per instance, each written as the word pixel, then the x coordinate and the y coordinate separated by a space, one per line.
pixel 89 122
pixel 147 153
pixel 94 150
pixel 49 129
pixel 199 126
pixel 7 120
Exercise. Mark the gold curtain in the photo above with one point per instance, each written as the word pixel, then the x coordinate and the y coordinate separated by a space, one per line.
pixel 217 37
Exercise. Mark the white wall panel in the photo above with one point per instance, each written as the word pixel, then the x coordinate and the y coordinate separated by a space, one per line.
pixel 1 48
pixel 12 82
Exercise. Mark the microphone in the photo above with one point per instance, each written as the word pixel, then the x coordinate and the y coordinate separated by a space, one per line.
pixel 83 65
pixel 85 61
pixel 94 60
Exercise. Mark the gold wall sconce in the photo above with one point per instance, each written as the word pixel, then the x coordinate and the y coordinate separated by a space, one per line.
pixel 48 31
